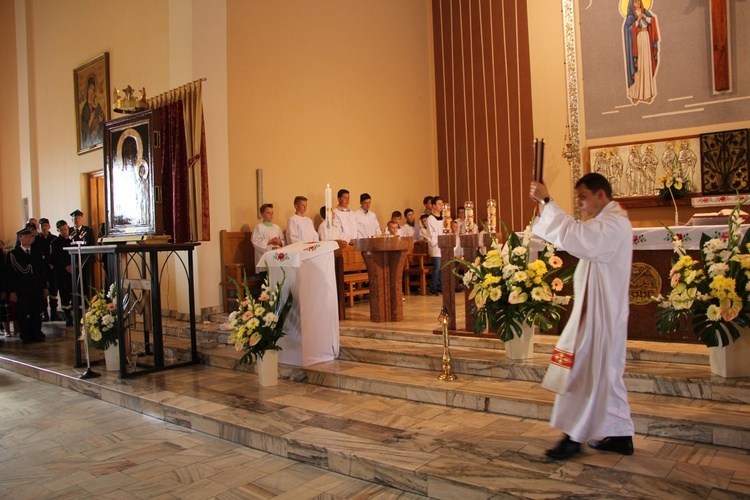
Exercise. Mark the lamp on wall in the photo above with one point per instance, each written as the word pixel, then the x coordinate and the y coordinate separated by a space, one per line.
pixel 127 103
pixel 569 151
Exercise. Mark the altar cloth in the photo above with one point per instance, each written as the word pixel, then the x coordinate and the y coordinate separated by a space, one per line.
pixel 312 327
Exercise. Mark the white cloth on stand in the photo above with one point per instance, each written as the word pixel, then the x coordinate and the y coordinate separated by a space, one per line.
pixel 312 326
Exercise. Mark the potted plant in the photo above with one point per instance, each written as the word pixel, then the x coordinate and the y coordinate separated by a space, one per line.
pixel 511 294
pixel 258 325
pixel 100 324
pixel 712 294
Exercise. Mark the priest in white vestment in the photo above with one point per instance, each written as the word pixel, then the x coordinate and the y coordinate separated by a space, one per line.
pixel 589 360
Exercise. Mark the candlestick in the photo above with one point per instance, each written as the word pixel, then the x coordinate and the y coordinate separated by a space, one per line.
pixel 443 320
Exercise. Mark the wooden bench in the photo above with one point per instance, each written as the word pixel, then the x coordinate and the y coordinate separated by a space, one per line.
pixel 418 268
pixel 355 275
pixel 237 262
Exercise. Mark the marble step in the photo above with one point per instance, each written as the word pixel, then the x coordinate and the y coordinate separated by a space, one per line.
pixel 664 352
pixel 672 369
pixel 650 377
pixel 702 421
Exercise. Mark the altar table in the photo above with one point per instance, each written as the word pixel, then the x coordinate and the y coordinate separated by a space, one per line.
pixel 652 261
pixel 312 326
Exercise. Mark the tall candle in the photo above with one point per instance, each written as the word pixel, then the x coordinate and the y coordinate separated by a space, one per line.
pixel 329 208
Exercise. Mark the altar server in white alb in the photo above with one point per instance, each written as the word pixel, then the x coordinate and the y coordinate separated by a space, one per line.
pixel 300 228
pixel 267 236
pixel 588 362
pixel 367 222
pixel 345 220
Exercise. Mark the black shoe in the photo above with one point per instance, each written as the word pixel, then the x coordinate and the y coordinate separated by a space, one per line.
pixel 619 444
pixel 45 317
pixel 69 322
pixel 565 449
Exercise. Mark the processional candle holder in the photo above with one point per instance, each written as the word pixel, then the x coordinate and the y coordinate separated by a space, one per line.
pixel 446 214
pixel 443 321
pixel 491 216
pixel 469 220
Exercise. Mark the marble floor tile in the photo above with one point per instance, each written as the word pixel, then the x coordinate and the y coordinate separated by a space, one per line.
pixel 647 466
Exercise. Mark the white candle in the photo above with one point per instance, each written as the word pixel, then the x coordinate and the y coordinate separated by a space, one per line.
pixel 329 207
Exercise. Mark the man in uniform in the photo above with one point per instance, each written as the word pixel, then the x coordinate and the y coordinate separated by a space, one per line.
pixel 81 232
pixel 44 240
pixel 27 286
pixel 60 260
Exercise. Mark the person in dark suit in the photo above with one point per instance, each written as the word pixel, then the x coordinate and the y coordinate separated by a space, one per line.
pixel 28 287
pixel 44 240
pixel 60 259
pixel 81 232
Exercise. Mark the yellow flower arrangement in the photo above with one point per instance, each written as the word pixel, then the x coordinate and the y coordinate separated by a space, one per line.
pixel 671 180
pixel 259 324
pixel 507 290
pixel 100 320
pixel 715 297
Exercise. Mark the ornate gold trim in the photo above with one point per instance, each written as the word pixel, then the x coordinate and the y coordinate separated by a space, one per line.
pixel 571 80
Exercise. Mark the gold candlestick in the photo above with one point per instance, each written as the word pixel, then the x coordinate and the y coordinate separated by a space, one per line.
pixel 443 320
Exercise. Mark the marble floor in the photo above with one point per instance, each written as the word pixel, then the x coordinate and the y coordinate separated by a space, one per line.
pixel 158 436
pixel 57 443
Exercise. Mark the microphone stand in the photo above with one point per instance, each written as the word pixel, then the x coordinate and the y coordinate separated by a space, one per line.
pixel 676 218
pixel 89 373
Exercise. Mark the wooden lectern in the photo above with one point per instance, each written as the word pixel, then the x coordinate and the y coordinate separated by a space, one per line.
pixel 385 258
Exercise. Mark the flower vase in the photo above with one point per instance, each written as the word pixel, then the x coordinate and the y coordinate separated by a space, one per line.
pixel 112 358
pixel 731 361
pixel 268 368
pixel 521 347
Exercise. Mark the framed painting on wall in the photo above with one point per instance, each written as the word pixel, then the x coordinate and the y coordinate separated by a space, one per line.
pixel 91 87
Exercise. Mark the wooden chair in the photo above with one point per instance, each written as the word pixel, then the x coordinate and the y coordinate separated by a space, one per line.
pixel 418 268
pixel 355 275
pixel 237 262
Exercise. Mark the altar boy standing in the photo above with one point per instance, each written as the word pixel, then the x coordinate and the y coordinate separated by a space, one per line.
pixel 300 228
